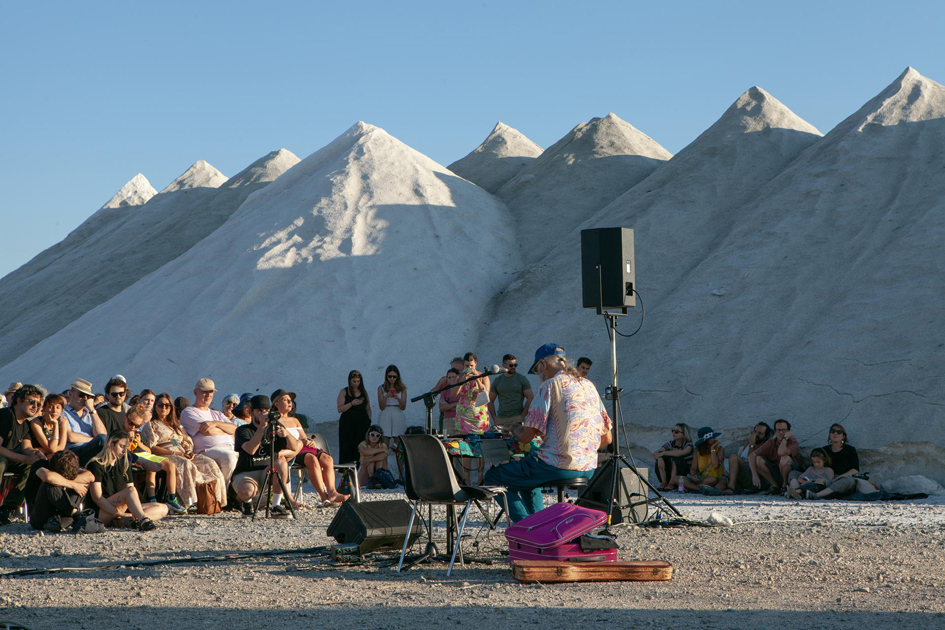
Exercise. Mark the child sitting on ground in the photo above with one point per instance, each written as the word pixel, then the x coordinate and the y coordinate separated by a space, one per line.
pixel 814 479
pixel 373 454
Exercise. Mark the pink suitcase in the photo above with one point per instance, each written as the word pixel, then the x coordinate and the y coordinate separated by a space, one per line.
pixel 554 534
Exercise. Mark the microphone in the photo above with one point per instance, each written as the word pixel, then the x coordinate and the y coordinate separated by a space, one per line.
pixel 495 369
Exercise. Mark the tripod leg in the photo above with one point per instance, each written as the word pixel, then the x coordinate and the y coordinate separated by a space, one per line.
pixel 652 488
pixel 259 499
pixel 285 495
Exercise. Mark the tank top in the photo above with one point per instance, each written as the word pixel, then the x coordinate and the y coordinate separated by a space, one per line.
pixel 356 413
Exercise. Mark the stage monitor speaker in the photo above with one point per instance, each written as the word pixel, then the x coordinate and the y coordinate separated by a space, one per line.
pixel 374 525
pixel 608 273
pixel 631 495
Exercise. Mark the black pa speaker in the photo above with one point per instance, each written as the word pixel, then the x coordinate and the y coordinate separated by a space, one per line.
pixel 608 273
pixel 375 525
pixel 631 494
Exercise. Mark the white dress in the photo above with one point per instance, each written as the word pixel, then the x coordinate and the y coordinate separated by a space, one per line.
pixel 394 423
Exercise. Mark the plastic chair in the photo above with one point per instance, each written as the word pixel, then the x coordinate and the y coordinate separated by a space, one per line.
pixel 345 470
pixel 9 480
pixel 429 478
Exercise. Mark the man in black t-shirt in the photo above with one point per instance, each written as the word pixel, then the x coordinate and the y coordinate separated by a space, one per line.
pixel 16 447
pixel 253 445
pixel 112 413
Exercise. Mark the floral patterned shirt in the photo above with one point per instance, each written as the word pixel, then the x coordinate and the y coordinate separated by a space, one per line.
pixel 569 414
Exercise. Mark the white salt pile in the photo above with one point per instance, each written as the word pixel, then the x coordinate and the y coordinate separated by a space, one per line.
pixel 498 159
pixel 116 246
pixel 366 253
pixel 136 192
pixel 578 175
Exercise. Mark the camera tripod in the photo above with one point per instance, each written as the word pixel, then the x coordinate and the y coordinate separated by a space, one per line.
pixel 271 470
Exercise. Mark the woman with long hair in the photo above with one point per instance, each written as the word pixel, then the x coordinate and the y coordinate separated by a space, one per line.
pixel 113 493
pixel 50 431
pixel 392 400
pixel 472 418
pixel 165 437
pixel 146 399
pixel 320 465
pixel 355 409
pixel 373 454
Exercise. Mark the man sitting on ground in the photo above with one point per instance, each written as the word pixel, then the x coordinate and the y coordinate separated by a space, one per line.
pixel 773 460
pixel 570 416
pixel 58 502
pixel 253 445
pixel 86 429
pixel 16 448
pixel 739 473
pixel 211 431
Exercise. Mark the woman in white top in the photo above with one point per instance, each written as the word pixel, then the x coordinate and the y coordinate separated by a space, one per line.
pixel 320 465
pixel 392 399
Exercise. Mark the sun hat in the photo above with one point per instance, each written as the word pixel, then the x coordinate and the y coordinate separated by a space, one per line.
pixel 15 385
pixel 82 386
pixel 547 350
pixel 706 434
pixel 232 397
pixel 281 392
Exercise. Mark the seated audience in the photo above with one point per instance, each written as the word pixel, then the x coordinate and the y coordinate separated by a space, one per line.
pixel 17 454
pixel 86 431
pixel 58 502
pixel 140 455
pixel 113 411
pixel 165 437
pixel 845 462
pixel 775 459
pixel 112 490
pixel 255 451
pixel 707 472
pixel 814 479
pixel 211 432
pixel 674 458
pixel 50 431
pixel 146 399
pixel 320 465
pixel 739 473
pixel 373 454
pixel 228 405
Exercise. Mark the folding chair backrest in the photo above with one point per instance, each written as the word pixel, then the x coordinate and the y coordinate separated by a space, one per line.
pixel 321 442
pixel 428 475
pixel 494 453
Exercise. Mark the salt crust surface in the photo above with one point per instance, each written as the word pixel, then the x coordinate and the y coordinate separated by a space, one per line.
pixel 117 246
pixel 500 157
pixel 803 291
pixel 354 259
pixel 576 176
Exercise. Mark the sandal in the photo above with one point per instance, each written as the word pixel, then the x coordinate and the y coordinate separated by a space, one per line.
pixel 146 525
pixel 728 492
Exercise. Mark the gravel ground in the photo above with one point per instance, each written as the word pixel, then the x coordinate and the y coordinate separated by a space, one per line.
pixel 803 565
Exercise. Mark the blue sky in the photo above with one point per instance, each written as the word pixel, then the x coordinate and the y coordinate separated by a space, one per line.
pixel 96 92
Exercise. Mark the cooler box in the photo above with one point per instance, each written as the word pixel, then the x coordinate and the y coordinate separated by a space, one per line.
pixel 555 534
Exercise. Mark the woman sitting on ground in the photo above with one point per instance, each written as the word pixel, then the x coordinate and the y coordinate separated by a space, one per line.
pixel 164 436
pixel 318 463
pixel 845 463
pixel 50 431
pixel 814 479
pixel 674 458
pixel 112 490
pixel 373 454
pixel 707 472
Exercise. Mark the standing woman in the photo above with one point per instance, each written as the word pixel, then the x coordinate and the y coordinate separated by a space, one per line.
pixel 472 419
pixel 392 399
pixel 166 438
pixel 355 409
pixel 50 430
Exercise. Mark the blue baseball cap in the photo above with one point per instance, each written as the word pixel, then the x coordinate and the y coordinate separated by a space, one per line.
pixel 547 350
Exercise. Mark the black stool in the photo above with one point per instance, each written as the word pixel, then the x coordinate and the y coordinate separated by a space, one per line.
pixel 561 484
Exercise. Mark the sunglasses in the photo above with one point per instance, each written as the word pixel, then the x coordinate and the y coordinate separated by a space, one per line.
pixel 391 376
pixel 676 431
pixel 116 394
pixel 34 403
pixel 163 405
pixel 377 435
pixel 513 365
pixel 136 425
pixel 840 431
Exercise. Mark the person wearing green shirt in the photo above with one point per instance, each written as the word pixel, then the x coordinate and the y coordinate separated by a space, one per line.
pixel 514 393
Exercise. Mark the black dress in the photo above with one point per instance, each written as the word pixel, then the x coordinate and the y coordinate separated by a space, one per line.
pixel 352 427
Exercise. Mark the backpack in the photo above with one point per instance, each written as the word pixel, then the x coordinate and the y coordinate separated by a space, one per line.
pixel 383 477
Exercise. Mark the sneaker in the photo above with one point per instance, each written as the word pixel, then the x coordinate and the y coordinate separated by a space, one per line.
pixel 86 523
pixel 810 494
pixel 147 525
pixel 247 508
pixel 279 510
pixel 793 493
pixel 152 500
pixel 710 491
pixel 53 525
pixel 5 518
pixel 175 506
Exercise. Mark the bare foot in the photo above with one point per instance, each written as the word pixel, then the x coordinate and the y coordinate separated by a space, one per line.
pixel 339 498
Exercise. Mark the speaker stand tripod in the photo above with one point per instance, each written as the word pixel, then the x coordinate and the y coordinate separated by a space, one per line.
pixel 609 471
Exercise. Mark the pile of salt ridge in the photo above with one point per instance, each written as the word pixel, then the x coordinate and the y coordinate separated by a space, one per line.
pixel 578 175
pixel 119 244
pixel 137 191
pixel 347 261
pixel 814 302
pixel 500 157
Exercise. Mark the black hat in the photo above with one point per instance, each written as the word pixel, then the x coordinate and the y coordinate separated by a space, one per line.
pixel 280 392
pixel 259 402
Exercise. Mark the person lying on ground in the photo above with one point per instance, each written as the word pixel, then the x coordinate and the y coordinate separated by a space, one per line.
pixel 113 493
pixel 739 473
pixel 773 460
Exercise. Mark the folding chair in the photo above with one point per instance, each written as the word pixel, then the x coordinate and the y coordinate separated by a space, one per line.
pixel 9 480
pixel 429 478
pixel 344 470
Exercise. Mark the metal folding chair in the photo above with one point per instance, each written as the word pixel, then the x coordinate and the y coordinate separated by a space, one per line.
pixel 344 470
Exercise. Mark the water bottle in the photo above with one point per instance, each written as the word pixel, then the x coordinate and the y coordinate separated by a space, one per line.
pixel 682 488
